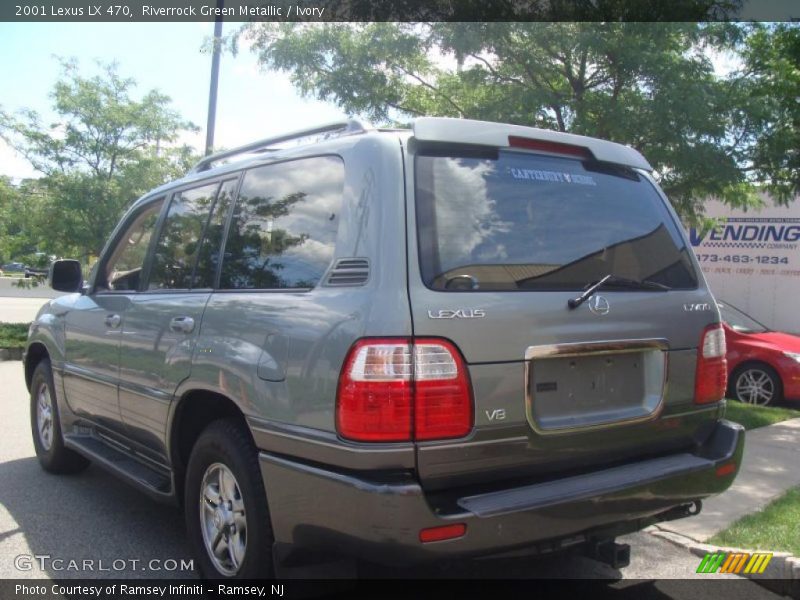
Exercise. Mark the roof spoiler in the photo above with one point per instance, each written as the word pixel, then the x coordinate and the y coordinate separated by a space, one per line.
pixel 499 135
pixel 335 129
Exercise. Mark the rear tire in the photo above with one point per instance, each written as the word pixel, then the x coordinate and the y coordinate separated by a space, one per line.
pixel 227 518
pixel 758 384
pixel 46 426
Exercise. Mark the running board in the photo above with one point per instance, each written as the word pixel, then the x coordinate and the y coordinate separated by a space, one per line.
pixel 153 482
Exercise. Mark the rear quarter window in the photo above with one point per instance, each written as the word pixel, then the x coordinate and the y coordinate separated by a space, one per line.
pixel 284 225
pixel 519 221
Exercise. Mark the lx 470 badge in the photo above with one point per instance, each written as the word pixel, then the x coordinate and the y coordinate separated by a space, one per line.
pixel 697 307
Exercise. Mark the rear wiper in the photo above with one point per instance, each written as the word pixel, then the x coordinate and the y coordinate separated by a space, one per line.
pixel 616 280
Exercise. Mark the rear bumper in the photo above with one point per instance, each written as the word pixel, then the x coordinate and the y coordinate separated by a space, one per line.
pixel 381 520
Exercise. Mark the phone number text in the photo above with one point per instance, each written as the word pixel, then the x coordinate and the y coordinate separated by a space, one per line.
pixel 743 259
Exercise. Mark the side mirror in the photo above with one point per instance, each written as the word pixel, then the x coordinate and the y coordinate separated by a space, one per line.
pixel 65 276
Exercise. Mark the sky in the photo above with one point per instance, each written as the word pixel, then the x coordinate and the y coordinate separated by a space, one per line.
pixel 251 104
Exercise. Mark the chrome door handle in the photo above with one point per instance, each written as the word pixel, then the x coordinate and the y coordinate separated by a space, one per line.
pixel 113 321
pixel 182 324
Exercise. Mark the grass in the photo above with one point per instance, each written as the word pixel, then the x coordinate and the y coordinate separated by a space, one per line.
pixel 751 416
pixel 777 527
pixel 13 335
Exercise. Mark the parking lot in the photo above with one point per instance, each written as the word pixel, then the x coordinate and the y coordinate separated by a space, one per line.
pixel 94 517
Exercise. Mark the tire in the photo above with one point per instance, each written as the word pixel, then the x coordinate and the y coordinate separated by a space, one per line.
pixel 46 426
pixel 219 509
pixel 758 384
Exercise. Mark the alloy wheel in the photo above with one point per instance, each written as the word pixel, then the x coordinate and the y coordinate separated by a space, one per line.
pixel 44 416
pixel 755 386
pixel 222 519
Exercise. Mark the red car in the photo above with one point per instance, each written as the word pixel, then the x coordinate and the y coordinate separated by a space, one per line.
pixel 763 365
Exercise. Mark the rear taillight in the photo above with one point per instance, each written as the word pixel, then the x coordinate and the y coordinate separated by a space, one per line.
pixel 711 375
pixel 396 389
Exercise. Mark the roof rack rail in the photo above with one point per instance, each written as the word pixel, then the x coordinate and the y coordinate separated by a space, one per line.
pixel 341 128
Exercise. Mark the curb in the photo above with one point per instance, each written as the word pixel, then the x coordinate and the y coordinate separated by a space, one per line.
pixel 11 354
pixel 781 576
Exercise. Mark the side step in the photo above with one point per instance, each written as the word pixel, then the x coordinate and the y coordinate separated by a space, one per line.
pixel 153 482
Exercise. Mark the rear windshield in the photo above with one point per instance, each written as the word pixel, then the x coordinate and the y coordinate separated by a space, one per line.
pixel 518 221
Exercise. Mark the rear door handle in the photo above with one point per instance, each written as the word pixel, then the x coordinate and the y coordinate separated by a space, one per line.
pixel 113 321
pixel 182 324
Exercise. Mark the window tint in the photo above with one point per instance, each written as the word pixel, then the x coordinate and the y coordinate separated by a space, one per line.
pixel 208 257
pixel 516 221
pixel 283 230
pixel 123 268
pixel 179 241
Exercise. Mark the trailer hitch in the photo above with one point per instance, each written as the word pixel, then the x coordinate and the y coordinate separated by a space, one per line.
pixel 609 552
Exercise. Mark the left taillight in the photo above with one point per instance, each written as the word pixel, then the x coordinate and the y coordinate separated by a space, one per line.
pixel 711 373
pixel 398 389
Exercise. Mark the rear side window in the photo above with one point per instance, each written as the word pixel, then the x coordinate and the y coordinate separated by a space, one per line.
pixel 177 248
pixel 208 258
pixel 517 221
pixel 284 225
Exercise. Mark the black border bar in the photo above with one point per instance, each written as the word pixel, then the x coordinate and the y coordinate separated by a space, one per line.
pixel 135 11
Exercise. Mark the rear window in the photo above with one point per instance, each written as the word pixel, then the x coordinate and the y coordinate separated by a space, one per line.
pixel 504 220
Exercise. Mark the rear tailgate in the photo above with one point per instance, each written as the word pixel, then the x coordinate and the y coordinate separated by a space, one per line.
pixel 499 241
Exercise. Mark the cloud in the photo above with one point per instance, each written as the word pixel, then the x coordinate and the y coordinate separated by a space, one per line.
pixel 465 214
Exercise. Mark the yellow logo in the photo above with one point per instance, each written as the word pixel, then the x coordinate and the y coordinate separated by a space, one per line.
pixel 735 562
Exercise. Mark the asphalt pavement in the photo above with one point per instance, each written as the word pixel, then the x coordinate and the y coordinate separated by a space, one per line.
pixel 95 517
pixel 20 305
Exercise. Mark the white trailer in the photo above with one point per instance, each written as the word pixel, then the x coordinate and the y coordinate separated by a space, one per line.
pixel 752 260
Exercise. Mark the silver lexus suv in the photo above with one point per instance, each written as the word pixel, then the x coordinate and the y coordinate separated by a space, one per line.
pixel 460 339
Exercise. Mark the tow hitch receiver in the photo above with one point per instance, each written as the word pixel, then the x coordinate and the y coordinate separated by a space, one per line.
pixel 617 556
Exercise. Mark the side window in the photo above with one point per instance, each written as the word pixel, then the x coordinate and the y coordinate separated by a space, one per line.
pixel 123 269
pixel 208 258
pixel 284 225
pixel 179 241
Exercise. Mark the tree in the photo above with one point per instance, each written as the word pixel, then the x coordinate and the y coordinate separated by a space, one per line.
pixel 649 85
pixel 104 150
pixel 772 74
pixel 20 211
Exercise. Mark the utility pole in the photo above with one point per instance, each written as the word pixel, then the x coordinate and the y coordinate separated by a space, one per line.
pixel 212 91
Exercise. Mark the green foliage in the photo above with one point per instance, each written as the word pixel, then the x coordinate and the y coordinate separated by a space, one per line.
pixel 105 149
pixel 650 85
pixel 772 63
pixel 19 219
pixel 13 335
pixel 774 529
pixel 752 417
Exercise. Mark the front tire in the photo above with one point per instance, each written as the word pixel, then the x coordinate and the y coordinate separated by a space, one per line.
pixel 757 384
pixel 227 518
pixel 46 426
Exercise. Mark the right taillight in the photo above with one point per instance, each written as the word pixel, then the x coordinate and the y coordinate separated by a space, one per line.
pixel 398 389
pixel 711 375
